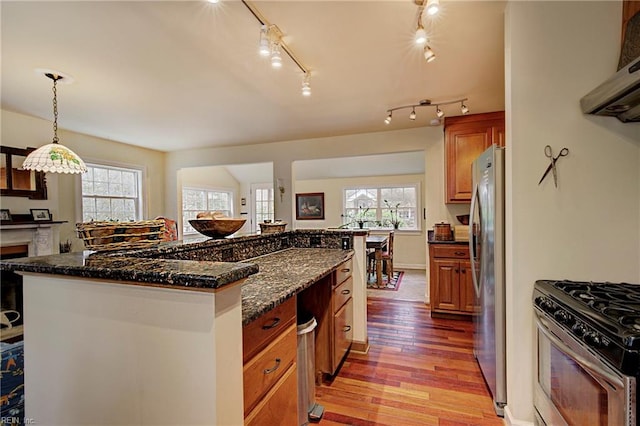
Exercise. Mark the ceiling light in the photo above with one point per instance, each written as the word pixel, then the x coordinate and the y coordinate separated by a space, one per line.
pixel 276 59
pixel 429 54
pixel 53 157
pixel 427 103
pixel 306 88
pixel 421 34
pixel 433 6
pixel 264 50
pixel 214 1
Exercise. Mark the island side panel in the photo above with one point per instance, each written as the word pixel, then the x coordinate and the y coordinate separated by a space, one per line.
pixel 360 336
pixel 99 352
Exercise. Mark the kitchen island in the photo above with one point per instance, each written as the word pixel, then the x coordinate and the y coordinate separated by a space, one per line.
pixel 155 336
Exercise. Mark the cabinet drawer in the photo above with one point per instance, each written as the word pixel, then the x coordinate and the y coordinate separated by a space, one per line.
pixel 344 271
pixel 280 405
pixel 264 370
pixel 257 334
pixel 460 251
pixel 342 293
pixel 342 333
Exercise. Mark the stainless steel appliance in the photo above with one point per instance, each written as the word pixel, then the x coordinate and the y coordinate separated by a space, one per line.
pixel 588 360
pixel 486 244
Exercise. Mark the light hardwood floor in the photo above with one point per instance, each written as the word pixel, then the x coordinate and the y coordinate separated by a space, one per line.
pixel 419 371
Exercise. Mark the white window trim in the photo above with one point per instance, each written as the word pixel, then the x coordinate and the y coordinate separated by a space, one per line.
pixel 254 186
pixel 232 191
pixel 419 217
pixel 144 191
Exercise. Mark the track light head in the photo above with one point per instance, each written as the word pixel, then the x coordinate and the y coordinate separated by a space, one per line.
pixel 388 119
pixel 306 87
pixel 463 108
pixel 264 48
pixel 412 116
pixel 439 112
pixel 433 6
pixel 421 35
pixel 276 59
pixel 429 55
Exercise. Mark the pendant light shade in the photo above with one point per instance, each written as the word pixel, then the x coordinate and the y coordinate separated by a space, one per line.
pixel 53 157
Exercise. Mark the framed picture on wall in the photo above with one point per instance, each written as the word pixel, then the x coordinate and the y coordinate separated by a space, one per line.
pixel 310 206
pixel 5 215
pixel 40 214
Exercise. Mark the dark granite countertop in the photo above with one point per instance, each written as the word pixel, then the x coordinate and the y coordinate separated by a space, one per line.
pixel 465 243
pixel 284 274
pixel 177 273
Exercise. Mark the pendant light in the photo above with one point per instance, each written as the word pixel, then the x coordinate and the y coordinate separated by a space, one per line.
pixel 53 157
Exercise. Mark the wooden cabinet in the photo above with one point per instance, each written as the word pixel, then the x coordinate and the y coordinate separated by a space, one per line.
pixel 466 137
pixel 451 282
pixel 330 301
pixel 269 347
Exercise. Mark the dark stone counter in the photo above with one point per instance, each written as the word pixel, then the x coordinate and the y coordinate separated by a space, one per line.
pixel 277 266
pixel 463 243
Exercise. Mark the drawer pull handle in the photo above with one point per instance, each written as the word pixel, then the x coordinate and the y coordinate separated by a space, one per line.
pixel 345 270
pixel 464 271
pixel 460 253
pixel 347 328
pixel 345 292
pixel 275 322
pixel 456 269
pixel 272 369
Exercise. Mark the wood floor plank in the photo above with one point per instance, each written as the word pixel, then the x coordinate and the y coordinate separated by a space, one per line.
pixel 418 371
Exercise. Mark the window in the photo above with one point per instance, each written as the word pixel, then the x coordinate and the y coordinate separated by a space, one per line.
pixel 111 193
pixel 263 203
pixel 195 200
pixel 378 206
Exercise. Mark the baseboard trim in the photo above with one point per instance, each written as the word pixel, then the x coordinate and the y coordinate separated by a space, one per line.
pixel 512 421
pixel 360 347
pixel 397 265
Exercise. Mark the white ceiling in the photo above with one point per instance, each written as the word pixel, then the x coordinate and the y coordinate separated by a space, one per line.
pixel 186 74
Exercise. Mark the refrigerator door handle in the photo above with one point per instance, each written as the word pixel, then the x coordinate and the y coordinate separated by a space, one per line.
pixel 472 242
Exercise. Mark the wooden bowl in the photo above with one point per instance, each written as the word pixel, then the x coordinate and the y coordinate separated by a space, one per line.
pixel 217 228
pixel 463 219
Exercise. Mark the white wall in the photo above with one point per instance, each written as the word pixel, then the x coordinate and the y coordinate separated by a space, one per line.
pixel 23 131
pixel 409 246
pixel 589 227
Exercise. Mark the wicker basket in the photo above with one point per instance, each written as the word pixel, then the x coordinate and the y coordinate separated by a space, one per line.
pixel 271 228
pixel 102 236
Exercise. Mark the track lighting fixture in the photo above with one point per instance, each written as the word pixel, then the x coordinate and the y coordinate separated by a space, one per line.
pixel 306 88
pixel 433 6
pixel 271 43
pixel 276 59
pixel 427 103
pixel 264 49
pixel 429 54
pixel 421 34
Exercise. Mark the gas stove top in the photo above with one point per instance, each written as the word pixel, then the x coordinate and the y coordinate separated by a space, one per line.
pixel 605 317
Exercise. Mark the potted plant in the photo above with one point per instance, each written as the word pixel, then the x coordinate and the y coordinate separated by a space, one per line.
pixel 361 216
pixel 393 213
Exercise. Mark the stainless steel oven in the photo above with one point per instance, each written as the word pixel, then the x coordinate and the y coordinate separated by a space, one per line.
pixel 584 376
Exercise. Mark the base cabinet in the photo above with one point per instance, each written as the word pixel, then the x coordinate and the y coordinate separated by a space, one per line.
pixel 331 302
pixel 270 382
pixel 450 280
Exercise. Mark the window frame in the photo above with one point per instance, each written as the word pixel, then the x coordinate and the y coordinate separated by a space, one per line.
pixel 142 203
pixel 379 209
pixel 185 222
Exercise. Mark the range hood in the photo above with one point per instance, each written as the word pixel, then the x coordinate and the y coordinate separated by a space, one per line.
pixel 618 96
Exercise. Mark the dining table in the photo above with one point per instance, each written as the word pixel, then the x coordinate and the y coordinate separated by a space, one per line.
pixel 377 243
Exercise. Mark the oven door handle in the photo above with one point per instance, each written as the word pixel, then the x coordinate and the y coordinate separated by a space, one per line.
pixel 608 377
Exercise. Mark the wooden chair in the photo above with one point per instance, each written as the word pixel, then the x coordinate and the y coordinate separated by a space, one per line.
pixel 386 258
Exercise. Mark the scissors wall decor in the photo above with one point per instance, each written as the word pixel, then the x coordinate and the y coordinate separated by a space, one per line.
pixel 552 165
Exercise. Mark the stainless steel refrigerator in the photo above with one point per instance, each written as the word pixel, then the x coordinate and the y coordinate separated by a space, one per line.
pixel 486 244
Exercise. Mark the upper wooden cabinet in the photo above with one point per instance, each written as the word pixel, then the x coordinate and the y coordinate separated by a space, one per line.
pixel 465 138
